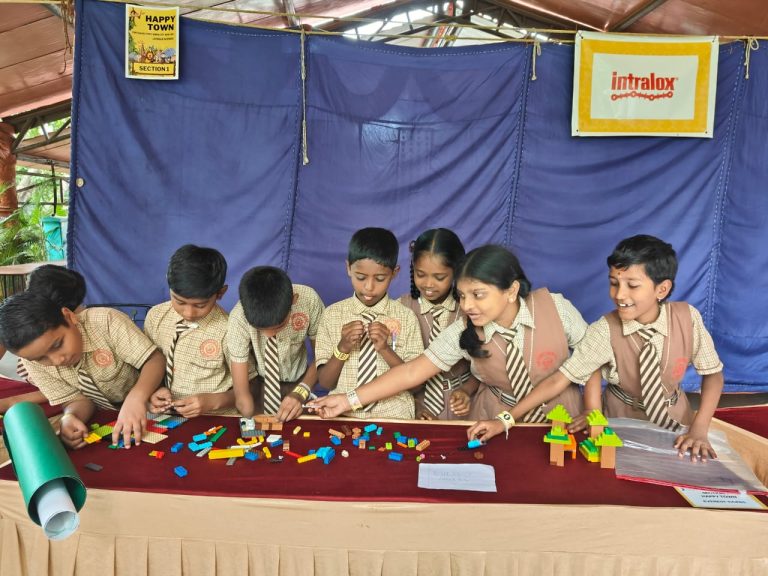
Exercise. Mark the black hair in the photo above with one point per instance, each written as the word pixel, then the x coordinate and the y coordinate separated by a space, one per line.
pixel 499 267
pixel 63 286
pixel 656 256
pixel 266 294
pixel 440 242
pixel 196 272
pixel 377 244
pixel 25 317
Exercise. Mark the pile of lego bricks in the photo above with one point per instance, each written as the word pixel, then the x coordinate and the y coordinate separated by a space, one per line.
pixel 367 472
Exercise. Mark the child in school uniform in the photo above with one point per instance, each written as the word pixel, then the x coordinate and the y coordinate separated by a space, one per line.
pixel 273 320
pixel 512 336
pixel 434 257
pixel 66 288
pixel 96 358
pixel 362 337
pixel 644 346
pixel 190 329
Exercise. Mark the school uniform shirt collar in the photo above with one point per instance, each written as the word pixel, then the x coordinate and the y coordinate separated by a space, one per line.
pixel 88 345
pixel 660 324
pixel 203 322
pixel 449 304
pixel 523 318
pixel 380 308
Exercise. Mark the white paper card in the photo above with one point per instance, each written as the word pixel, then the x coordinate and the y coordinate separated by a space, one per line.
pixel 473 477
pixel 712 499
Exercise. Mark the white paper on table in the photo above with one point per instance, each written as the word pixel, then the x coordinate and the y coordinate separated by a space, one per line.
pixel 473 477
pixel 714 499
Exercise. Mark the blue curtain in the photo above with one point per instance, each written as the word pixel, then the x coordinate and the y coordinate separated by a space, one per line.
pixel 406 139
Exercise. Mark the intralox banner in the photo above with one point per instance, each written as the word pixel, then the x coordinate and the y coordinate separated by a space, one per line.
pixel 626 85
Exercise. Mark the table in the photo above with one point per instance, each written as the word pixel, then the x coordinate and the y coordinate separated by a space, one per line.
pixel 13 278
pixel 182 531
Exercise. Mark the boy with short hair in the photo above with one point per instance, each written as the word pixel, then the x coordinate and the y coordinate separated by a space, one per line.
pixel 361 337
pixel 273 320
pixel 95 358
pixel 190 330
pixel 643 348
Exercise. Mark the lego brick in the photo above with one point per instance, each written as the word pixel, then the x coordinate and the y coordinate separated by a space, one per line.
pixel 306 434
pixel 296 430
pixel 217 435
pixel 231 461
pixel 200 437
pixel 306 458
pixel 153 437
pixel 347 430
pixel 177 447
pixel 335 440
pixel 412 442
pixel 93 467
pixel 396 456
pixel 370 428
pixel 266 451
pixel 276 443
pixel 336 433
pixel 292 454
pixel 180 471
pixel 203 452
pixel 423 445
pixel 251 455
pixel 228 453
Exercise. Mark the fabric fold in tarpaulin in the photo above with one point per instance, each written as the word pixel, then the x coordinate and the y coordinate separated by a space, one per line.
pixel 406 139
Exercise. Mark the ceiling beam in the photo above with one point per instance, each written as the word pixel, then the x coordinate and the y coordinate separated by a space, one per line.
pixel 643 10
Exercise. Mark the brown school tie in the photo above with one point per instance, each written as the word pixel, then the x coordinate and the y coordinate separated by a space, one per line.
pixel 518 376
pixel 89 389
pixel 433 391
pixel 271 376
pixel 181 328
pixel 651 387
pixel 367 361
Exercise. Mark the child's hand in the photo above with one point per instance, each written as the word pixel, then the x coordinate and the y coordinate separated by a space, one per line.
pixel 697 442
pixel 459 402
pixel 579 423
pixel 160 401
pixel 485 430
pixel 73 431
pixel 291 407
pixel 351 335
pixel 426 415
pixel 330 406
pixel 131 420
pixel 379 334
pixel 192 406
pixel 244 404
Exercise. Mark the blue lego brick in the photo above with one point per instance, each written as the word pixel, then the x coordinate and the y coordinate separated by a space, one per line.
pixel 251 455
pixel 177 447
pixel 194 446
pixel 336 441
pixel 276 443
pixel 180 471
pixel 396 456
pixel 329 455
pixel 200 437
pixel 370 428
pixel 379 430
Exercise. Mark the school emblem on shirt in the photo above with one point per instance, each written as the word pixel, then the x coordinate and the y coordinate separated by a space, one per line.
pixel 103 357
pixel 392 324
pixel 679 367
pixel 210 349
pixel 299 321
pixel 545 360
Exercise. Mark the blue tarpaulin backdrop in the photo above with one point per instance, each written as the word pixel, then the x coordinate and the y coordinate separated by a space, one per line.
pixel 406 139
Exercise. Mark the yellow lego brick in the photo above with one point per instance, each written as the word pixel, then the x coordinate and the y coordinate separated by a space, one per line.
pixel 226 453
pixel 296 430
pixel 306 434
pixel 92 437
pixel 267 453
pixel 306 458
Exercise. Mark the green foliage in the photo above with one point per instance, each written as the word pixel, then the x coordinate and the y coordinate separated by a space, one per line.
pixel 21 234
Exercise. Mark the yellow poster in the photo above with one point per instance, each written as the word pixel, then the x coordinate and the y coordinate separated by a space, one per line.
pixel 644 86
pixel 151 43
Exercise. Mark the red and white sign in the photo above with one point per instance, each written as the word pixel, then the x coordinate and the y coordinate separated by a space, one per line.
pixel 644 86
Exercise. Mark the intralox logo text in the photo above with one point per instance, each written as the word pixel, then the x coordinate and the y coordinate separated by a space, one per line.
pixel 650 87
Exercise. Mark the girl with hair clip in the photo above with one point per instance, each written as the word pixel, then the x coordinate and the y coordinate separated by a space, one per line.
pixel 513 338
pixel 434 258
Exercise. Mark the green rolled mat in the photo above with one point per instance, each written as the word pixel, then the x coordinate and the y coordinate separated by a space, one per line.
pixel 41 465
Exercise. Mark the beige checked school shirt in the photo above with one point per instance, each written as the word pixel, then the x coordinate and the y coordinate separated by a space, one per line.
pixel 595 350
pixel 303 323
pixel 406 343
pixel 200 360
pixel 114 350
pixel 445 351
